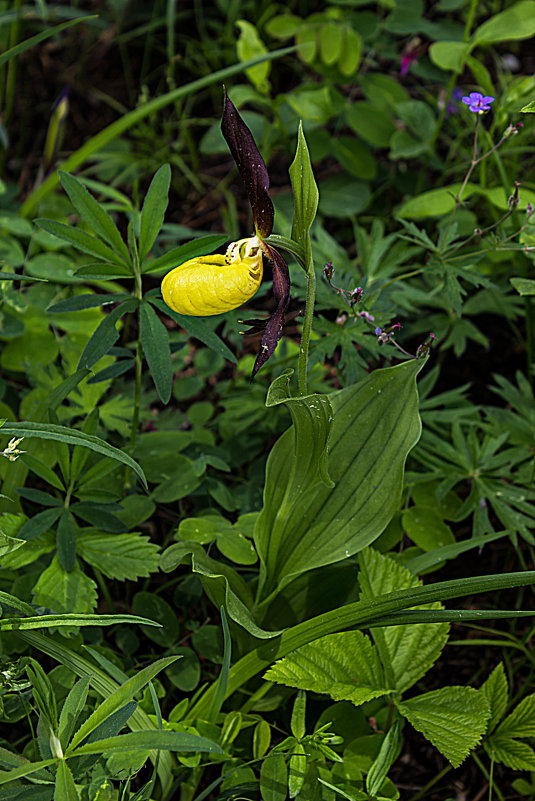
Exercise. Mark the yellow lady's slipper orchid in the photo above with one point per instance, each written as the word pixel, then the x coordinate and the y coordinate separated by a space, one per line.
pixel 215 284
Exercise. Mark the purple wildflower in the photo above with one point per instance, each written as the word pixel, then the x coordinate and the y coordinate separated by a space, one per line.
pixel 367 316
pixel 478 103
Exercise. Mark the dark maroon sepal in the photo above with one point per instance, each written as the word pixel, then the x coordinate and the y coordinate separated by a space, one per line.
pixel 250 165
pixel 275 324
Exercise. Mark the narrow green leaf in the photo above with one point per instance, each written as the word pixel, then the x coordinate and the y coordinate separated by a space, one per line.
pixel 102 684
pixel 72 709
pixel 297 770
pixel 200 246
pixel 93 213
pixel 42 470
pixel 39 523
pixel 222 679
pixel 118 698
pixel 80 240
pixel 79 302
pixel 306 195
pixel 66 540
pixel 106 335
pixel 454 719
pixel 19 48
pixel 65 789
pixel 71 436
pixel 388 753
pixel 196 327
pixel 153 211
pixel 273 778
pixel 69 620
pixel 144 740
pixel 155 342
pixel 25 770
pixel 38 496
pixel 298 722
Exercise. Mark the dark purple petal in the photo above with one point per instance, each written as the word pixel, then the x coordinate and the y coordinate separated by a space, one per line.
pixel 275 324
pixel 250 165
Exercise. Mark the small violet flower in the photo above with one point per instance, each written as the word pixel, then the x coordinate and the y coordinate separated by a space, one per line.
pixel 478 103
pixel 367 316
pixel 386 335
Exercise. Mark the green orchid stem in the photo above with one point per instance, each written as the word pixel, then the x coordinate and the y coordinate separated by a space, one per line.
pixel 307 328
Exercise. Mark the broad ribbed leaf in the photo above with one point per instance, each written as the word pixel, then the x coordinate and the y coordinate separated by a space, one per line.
pixel 93 213
pixel 274 778
pixel 454 719
pixel 155 343
pixel 375 425
pixel 412 650
pixel 71 436
pixel 153 211
pixel 496 691
pixel 345 666
pixel 118 698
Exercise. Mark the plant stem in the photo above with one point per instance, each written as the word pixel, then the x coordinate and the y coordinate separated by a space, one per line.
pixel 307 327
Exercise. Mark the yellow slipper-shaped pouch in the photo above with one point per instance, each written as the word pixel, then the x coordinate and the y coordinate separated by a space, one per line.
pixel 215 284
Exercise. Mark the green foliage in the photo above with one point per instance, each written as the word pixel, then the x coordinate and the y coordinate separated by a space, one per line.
pixel 135 441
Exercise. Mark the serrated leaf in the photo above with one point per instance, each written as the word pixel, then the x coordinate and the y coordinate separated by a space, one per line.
pixel 521 721
pixel 153 211
pixel 65 592
pixel 344 665
pixel 93 213
pixel 512 753
pixel 453 719
pixel 155 342
pixel 412 650
pixel 496 691
pixel 123 556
